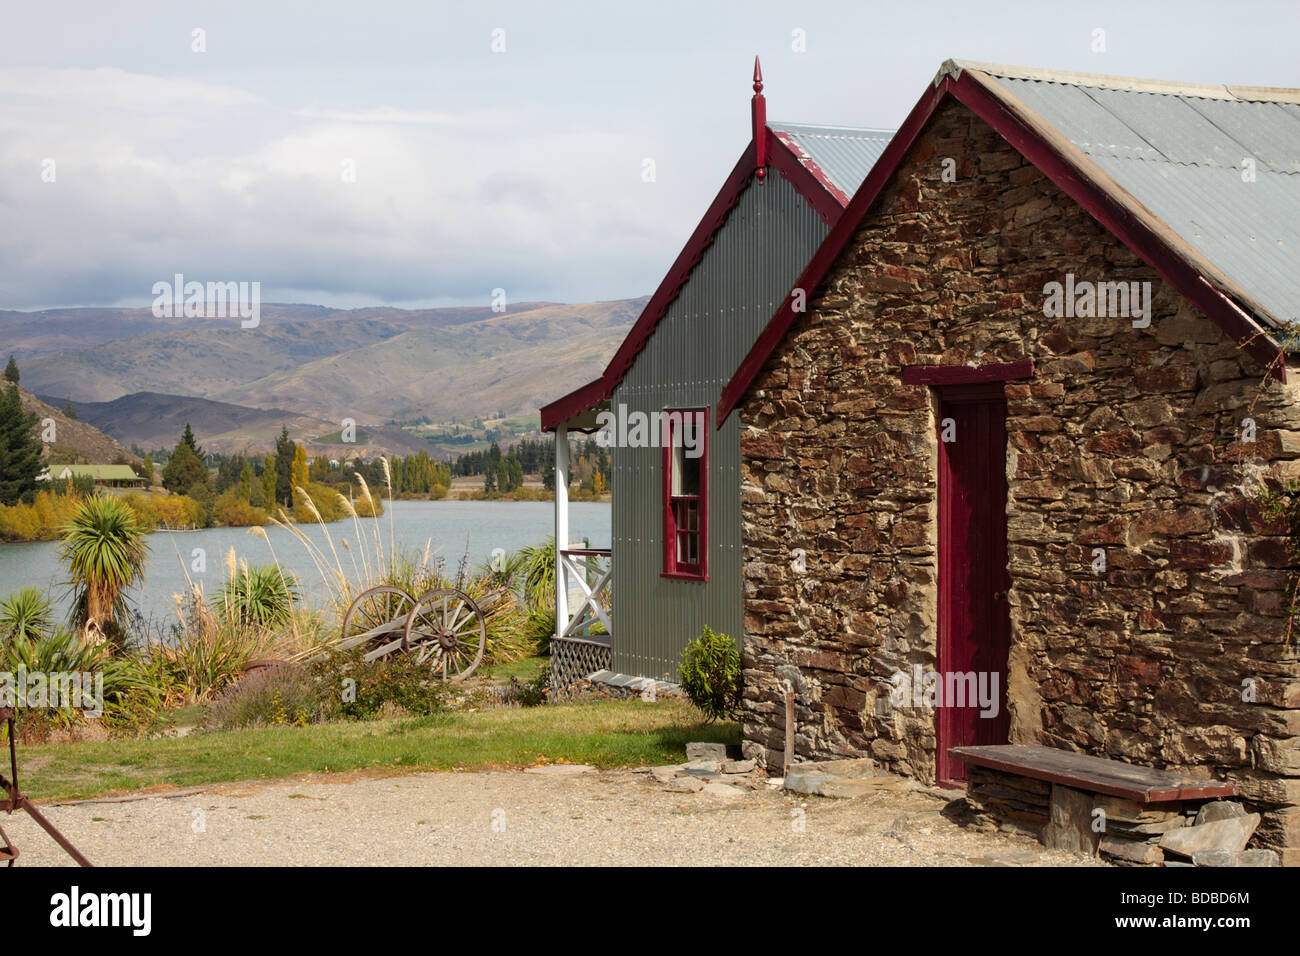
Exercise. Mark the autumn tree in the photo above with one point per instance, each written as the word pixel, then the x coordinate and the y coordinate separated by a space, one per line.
pixel 300 468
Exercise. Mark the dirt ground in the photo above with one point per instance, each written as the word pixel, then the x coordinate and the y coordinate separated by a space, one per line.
pixel 515 818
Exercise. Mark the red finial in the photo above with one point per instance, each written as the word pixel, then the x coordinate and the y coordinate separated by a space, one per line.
pixel 758 114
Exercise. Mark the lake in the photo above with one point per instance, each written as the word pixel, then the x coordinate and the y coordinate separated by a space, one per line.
pixel 449 527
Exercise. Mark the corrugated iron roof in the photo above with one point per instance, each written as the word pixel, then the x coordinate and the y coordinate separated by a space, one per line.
pixel 1182 151
pixel 838 158
pixel 1085 144
pixel 844 154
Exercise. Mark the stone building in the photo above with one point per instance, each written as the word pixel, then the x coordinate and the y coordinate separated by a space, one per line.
pixel 1013 424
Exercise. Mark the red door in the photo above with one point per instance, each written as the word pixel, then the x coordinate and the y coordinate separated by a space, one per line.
pixel 974 622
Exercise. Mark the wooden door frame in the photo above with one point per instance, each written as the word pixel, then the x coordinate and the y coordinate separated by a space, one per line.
pixel 954 385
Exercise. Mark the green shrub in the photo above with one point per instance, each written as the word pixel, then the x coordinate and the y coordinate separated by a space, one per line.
pixel 509 634
pixel 26 613
pixel 537 581
pixel 257 595
pixel 143 709
pixel 271 697
pixel 354 689
pixel 205 651
pixel 132 695
pixel 339 687
pixel 234 512
pixel 537 568
pixel 710 675
pixel 531 693
pixel 540 628
pixel 200 493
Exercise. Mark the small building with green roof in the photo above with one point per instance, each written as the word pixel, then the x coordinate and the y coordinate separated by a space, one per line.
pixel 105 476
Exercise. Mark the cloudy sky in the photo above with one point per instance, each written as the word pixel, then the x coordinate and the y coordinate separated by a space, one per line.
pixel 519 168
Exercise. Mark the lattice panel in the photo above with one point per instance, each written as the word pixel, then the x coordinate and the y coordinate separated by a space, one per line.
pixel 572 660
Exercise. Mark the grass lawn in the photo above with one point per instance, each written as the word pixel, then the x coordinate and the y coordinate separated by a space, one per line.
pixel 525 670
pixel 610 733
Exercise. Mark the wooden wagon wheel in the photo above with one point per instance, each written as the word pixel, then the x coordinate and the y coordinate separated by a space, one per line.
pixel 447 629
pixel 377 619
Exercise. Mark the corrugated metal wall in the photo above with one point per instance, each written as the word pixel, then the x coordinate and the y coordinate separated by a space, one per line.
pixel 751 265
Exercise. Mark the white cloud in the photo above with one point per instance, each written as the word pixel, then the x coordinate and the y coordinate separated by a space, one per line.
pixel 384 114
pixel 112 88
pixel 156 176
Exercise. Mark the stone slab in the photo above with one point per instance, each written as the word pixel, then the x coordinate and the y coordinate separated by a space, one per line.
pixel 1130 811
pixel 849 787
pixel 738 766
pixel 1219 810
pixel 702 766
pixel 723 790
pixel 800 782
pixel 852 767
pixel 706 751
pixel 1158 829
pixel 664 774
pixel 1237 858
pixel 1230 834
pixel 1129 850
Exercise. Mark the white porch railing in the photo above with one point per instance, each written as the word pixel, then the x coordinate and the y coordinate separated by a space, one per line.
pixel 591 572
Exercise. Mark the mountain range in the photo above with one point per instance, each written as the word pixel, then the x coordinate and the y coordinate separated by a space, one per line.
pixel 75 439
pixel 139 378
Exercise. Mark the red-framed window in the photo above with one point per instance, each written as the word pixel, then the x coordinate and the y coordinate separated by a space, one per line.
pixel 685 438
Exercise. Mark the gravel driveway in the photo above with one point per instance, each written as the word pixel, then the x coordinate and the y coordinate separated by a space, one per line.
pixel 514 818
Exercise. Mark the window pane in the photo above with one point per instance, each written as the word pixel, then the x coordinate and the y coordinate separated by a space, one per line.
pixel 686 473
pixel 688 548
pixel 685 545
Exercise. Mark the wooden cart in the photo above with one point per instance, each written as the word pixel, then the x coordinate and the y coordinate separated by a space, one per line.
pixel 445 627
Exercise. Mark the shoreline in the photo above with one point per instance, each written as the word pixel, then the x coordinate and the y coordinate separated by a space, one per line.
pixel 457 499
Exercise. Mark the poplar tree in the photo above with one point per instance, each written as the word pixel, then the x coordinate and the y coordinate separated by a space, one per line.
pixel 300 469
pixel 268 483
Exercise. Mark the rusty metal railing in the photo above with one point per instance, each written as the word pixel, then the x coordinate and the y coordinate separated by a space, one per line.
pixel 14 800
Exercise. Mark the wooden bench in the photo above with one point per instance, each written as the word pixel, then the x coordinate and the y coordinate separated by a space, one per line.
pixel 1083 804
pixel 1095 774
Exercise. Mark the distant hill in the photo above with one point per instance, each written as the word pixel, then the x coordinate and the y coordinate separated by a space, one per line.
pixel 75 440
pixel 152 420
pixel 372 365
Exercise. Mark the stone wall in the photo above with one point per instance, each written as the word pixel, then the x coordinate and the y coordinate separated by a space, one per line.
pixel 1125 439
